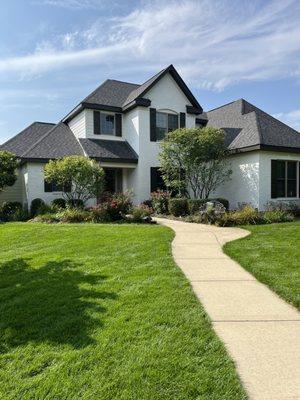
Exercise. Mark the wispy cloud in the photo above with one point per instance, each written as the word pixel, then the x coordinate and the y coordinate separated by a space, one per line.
pixel 291 118
pixel 214 43
pixel 74 4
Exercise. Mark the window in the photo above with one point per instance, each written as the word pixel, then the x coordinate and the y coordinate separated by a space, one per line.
pixel 165 123
pixel 54 187
pixel 157 181
pixel 107 124
pixel 200 123
pixel 284 179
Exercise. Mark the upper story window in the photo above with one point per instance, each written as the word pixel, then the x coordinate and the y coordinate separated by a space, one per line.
pixel 106 123
pixel 165 123
pixel 284 179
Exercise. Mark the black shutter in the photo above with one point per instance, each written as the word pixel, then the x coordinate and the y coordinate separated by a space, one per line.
pixel 118 118
pixel 152 124
pixel 97 123
pixel 153 176
pixel 182 120
pixel 273 179
pixel 47 187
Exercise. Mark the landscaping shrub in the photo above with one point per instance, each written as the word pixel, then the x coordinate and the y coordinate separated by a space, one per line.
pixel 20 215
pixel 75 203
pixel 225 202
pixel 59 203
pixel 141 213
pixel 178 207
pixel 194 205
pixel 148 203
pixel 48 218
pixel 9 209
pixel 73 215
pixel 36 207
pixel 276 216
pixel 160 201
pixel 100 213
pixel 113 208
pixel 246 216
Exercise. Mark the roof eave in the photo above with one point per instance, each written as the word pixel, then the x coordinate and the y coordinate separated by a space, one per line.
pixel 265 147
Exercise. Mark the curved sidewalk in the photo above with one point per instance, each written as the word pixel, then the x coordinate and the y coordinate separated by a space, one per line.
pixel 261 331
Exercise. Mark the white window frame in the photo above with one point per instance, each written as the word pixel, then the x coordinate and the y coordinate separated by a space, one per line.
pixel 112 114
pixel 166 113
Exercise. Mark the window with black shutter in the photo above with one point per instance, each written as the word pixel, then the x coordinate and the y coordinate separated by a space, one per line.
pixel 165 123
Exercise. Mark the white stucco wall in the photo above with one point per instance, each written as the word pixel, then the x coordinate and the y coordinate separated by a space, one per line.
pixel 34 184
pixel 165 96
pixel 265 158
pixel 244 184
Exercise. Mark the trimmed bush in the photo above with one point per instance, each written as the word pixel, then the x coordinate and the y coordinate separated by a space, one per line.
pixel 194 205
pixel 9 209
pixel 59 203
pixel 178 207
pixel 36 207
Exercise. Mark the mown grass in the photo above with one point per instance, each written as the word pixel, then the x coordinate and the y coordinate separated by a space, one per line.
pixel 272 254
pixel 102 312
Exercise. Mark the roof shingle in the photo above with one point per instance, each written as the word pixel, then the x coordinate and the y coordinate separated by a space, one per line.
pixel 109 150
pixel 22 142
pixel 246 125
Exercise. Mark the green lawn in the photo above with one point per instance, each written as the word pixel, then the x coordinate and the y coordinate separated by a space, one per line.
pixel 272 254
pixel 102 312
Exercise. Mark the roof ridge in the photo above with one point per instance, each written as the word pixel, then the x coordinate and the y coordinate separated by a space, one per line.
pixel 259 129
pixel 40 139
pixel 45 123
pixel 226 104
pixel 128 83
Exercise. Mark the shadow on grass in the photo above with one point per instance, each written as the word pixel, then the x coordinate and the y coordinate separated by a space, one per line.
pixel 56 303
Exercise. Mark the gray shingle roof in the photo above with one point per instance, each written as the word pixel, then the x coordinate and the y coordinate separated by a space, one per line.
pixel 22 142
pixel 246 125
pixel 111 93
pixel 58 142
pixel 109 150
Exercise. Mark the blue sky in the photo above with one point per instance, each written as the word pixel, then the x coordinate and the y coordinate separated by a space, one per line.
pixel 55 52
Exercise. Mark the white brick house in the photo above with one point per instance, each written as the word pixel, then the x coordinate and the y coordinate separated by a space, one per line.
pixel 120 125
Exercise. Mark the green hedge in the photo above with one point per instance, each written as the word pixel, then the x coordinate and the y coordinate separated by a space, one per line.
pixel 178 207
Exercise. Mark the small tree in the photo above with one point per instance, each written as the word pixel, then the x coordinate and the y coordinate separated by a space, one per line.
pixel 194 159
pixel 8 167
pixel 82 176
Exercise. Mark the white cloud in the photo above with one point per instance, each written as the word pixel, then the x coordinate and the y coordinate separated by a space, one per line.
pixel 214 43
pixel 291 118
pixel 74 4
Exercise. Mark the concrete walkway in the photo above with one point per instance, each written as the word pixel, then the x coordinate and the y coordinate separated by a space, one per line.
pixel 260 331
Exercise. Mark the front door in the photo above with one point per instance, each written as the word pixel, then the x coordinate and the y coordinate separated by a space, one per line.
pixel 113 180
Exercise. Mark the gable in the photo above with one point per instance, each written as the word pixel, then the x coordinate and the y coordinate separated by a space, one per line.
pixel 166 94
